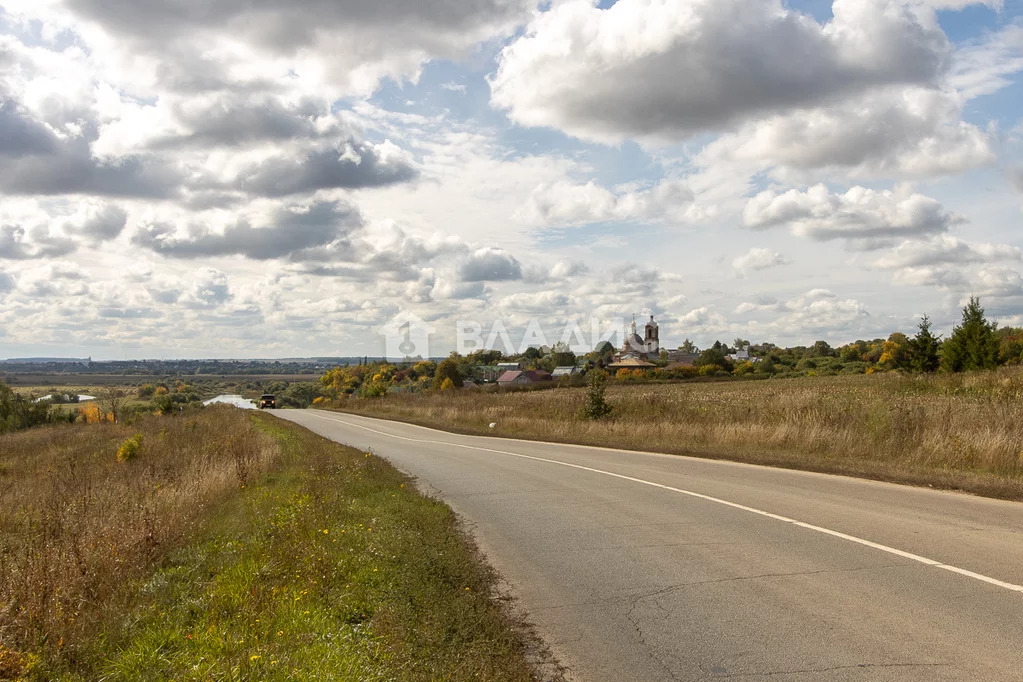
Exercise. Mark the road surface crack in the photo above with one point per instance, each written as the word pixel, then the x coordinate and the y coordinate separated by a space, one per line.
pixel 673 588
pixel 831 669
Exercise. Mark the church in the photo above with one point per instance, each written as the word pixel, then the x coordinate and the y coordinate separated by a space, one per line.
pixel 647 347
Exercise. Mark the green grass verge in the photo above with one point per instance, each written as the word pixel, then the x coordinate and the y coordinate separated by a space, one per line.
pixel 332 567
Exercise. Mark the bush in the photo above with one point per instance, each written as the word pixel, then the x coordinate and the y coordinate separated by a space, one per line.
pixel 129 449
pixel 596 405
pixel 18 413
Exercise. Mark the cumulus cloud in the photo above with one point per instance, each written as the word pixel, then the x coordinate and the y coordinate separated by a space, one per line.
pixel 864 217
pixel 998 282
pixel 536 302
pixel 290 231
pixel 757 259
pixel 98 222
pixel 17 243
pixel 566 203
pixel 346 44
pixel 568 269
pixel 903 132
pixel 490 265
pixel 944 249
pixel 351 165
pixel 37 161
pixel 7 283
pixel 941 276
pixel 818 311
pixel 644 68
pixel 209 289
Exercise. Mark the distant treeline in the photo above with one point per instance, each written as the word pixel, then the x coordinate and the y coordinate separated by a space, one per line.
pixel 974 344
pixel 179 367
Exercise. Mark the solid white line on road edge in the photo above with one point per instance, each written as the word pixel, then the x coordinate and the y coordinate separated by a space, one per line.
pixel 809 526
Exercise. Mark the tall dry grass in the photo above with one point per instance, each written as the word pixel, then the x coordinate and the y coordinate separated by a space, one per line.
pixel 958 431
pixel 77 525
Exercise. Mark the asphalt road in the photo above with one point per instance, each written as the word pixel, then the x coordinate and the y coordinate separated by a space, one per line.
pixel 638 566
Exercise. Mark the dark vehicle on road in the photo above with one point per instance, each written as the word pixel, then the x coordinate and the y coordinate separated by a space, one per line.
pixel 267 400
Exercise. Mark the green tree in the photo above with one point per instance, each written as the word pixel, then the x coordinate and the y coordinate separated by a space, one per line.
pixel 1010 345
pixel 447 369
pixel 973 344
pixel 689 348
pixel 16 412
pixel 821 349
pixel 714 356
pixel 562 355
pixel 532 353
pixel 895 352
pixel 596 405
pixel 923 349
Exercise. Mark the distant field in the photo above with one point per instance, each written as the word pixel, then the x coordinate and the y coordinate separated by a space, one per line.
pixel 233 545
pixel 86 379
pixel 961 431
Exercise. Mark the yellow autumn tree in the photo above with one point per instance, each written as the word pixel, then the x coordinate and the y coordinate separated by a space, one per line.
pixel 91 414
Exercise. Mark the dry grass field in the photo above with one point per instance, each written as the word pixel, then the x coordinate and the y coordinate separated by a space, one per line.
pixel 76 523
pixel 222 544
pixel 951 431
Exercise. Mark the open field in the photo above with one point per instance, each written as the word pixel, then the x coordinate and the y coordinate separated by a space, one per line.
pixel 233 545
pixel 961 431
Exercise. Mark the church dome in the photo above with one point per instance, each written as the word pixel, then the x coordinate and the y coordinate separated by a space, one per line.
pixel 635 342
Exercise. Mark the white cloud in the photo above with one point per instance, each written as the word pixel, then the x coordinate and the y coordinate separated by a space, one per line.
pixel 757 259
pixel 664 70
pixel 945 249
pixel 998 282
pixel 896 132
pixel 566 203
pixel 338 46
pixel 984 66
pixel 815 313
pixel 864 217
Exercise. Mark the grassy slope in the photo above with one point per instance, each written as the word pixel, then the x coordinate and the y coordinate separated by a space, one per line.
pixel 960 432
pixel 326 566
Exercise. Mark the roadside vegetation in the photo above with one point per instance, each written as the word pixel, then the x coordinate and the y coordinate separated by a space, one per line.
pixel 223 544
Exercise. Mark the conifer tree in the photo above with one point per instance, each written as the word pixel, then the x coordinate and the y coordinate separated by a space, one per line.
pixel 923 349
pixel 973 344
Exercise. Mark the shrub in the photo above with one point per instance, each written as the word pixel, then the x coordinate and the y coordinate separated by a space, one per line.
pixel 743 368
pixel 129 449
pixel 91 414
pixel 447 384
pixel 596 405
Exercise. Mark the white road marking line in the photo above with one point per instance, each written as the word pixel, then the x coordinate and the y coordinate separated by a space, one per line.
pixel 802 524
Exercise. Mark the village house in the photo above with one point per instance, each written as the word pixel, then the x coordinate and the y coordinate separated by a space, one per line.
pixel 523 377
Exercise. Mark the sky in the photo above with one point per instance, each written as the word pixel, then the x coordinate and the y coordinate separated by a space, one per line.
pixel 251 178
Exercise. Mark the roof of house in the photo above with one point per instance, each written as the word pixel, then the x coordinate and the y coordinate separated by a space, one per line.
pixel 564 371
pixel 631 363
pixel 531 374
